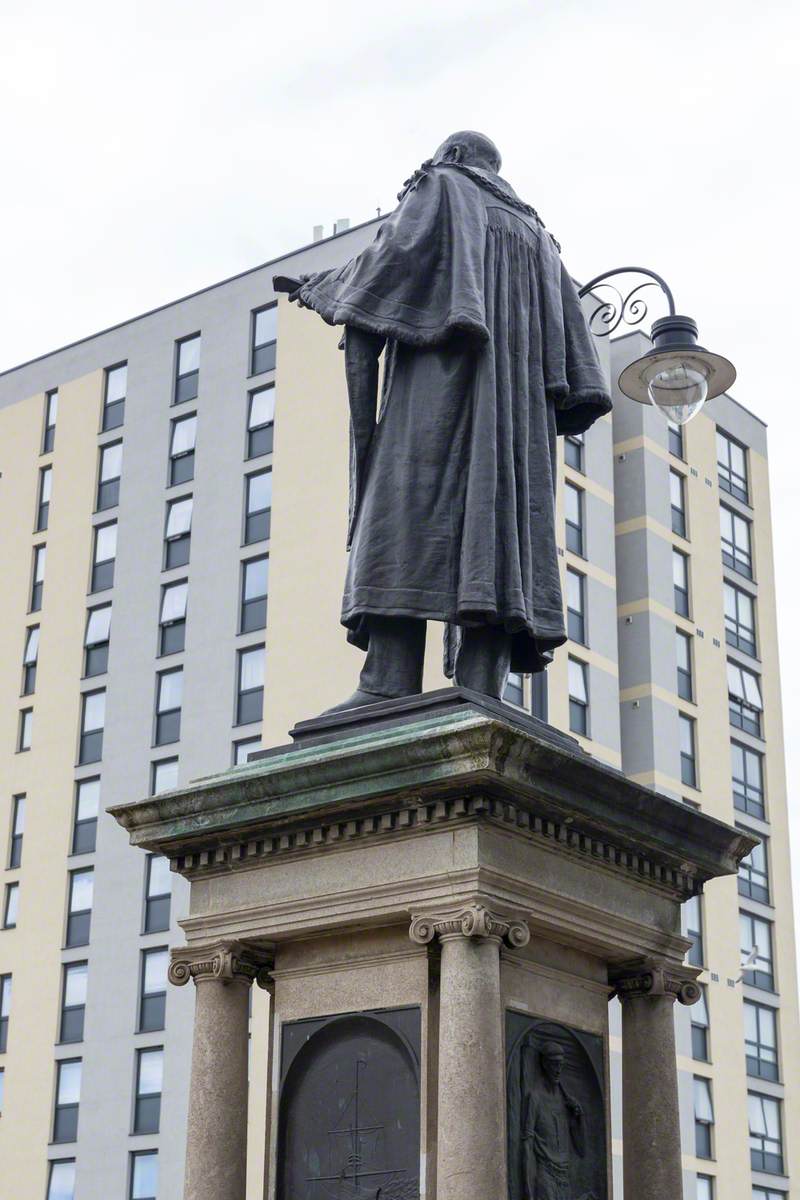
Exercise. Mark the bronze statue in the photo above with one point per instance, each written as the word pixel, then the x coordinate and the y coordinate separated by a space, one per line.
pixel 487 358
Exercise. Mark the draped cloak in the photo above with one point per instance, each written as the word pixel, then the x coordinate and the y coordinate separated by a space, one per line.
pixel 488 358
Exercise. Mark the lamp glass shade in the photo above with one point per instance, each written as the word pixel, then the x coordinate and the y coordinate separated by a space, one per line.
pixel 679 388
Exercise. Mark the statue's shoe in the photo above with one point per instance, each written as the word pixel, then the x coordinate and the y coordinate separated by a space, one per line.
pixel 357 700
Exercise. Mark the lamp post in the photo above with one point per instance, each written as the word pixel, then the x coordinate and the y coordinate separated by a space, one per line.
pixel 676 375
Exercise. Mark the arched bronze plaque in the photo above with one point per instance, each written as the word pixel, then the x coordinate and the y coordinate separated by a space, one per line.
pixel 349 1125
pixel 556 1112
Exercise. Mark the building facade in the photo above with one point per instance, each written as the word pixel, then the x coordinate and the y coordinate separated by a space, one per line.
pixel 173 513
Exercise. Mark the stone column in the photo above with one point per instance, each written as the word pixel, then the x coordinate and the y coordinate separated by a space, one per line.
pixel 471 1144
pixel 216 1140
pixel 651 1127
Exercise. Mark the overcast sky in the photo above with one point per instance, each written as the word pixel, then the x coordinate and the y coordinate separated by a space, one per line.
pixel 151 148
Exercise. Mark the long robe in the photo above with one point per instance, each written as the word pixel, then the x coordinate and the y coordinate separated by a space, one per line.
pixel 488 358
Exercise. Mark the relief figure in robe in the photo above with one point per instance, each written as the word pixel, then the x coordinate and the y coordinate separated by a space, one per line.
pixel 552 1131
pixel 487 359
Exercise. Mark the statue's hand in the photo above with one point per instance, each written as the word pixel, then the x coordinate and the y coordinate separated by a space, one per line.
pixel 294 296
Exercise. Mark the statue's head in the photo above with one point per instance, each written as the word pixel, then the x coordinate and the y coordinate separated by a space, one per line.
pixel 552 1058
pixel 470 148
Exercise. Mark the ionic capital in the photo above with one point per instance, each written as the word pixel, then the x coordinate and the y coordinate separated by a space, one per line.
pixel 649 978
pixel 469 921
pixel 226 962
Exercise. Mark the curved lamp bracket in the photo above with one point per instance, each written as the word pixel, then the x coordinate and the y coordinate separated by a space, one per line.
pixel 622 308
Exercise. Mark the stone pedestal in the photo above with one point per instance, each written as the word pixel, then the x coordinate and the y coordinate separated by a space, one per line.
pixel 469 1060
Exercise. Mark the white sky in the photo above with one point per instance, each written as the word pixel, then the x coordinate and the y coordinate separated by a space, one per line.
pixel 151 148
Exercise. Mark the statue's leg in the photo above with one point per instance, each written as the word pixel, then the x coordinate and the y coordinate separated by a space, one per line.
pixel 395 657
pixel 484 660
pixel 393 668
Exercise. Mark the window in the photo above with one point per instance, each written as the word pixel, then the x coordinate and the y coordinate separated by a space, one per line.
pixel 703 1117
pixel 179 533
pixel 153 999
pixel 677 490
pixel 761 1040
pixel 149 1076
pixel 514 693
pixel 5 1010
pixel 165 775
pixel 259 507
pixel 17 830
pixel 688 757
pixel 105 553
pixel 250 699
pixel 98 632
pixel 744 699
pixel 187 369
pixel 732 466
pixel 705 1187
pixel 683 646
pixel 25 729
pixel 29 660
pixel 79 917
pixel 144 1175
pixel 753 878
pixel 766 1144
pixel 740 620
pixel 114 399
pixel 168 706
pixel 73 1001
pixel 760 1193
pixel 680 582
pixel 265 332
pixel 576 606
pixel 172 622
pixel 693 918
pixel 110 471
pixel 748 780
pixel 45 490
pixel 573 451
pixel 735 537
pixel 50 415
pixel 87 806
pixel 61 1185
pixel 675 439
pixel 11 906
pixel 157 893
pixel 68 1095
pixel 578 697
pixel 755 938
pixel 260 421
pixel 573 510
pixel 93 720
pixel 37 579
pixel 255 586
pixel 243 748
pixel 181 450
pixel 700 1025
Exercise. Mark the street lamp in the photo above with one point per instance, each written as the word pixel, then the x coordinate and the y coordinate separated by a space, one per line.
pixel 676 375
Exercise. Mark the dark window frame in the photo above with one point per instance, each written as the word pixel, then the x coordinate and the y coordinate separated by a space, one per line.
pixel 745 791
pixel 680 593
pixel 247 699
pixel 260 438
pixel 261 360
pixel 675 440
pixel 37 585
pixel 29 665
pixel 187 383
pixel 178 546
pixel 71 1014
pixel 157 999
pixel 108 489
pixel 574 451
pixel 762 1159
pixel 154 772
pixel 102 571
pixel 700 1031
pixel 42 505
pixel 751 881
pixel 737 634
pixel 146 1105
pixel 576 619
pixel 50 418
pixel 65 1115
pixel 729 480
pixel 25 732
pixel 733 557
pixel 157 905
pixel 703 1127
pixel 575 532
pixel 95 660
pixel 689 760
pixel 578 707
pixel 253 610
pixel 84 829
pixel 181 464
pixel 11 889
pixel 134 1155
pixel 685 684
pixel 79 920
pixel 678 511
pixel 756 1064
pixel 5 1008
pixel 90 741
pixel 257 521
pixel 252 744
pixel 16 835
pixel 172 632
pixel 696 953
pixel 167 728
pixel 113 416
pixel 754 975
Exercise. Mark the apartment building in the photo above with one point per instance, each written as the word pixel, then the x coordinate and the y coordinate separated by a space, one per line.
pixel 172 510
